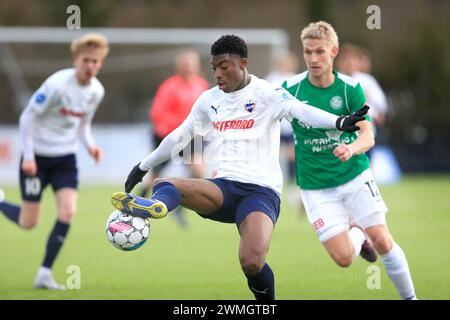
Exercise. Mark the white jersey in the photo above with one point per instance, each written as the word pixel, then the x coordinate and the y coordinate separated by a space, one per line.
pixel 59 109
pixel 245 130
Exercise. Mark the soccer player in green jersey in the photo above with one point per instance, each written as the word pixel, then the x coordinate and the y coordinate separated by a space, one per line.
pixel 333 171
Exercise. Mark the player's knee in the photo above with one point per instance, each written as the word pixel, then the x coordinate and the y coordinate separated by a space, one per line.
pixel 342 259
pixel 382 243
pixel 28 218
pixel 160 180
pixel 252 264
pixel 27 224
pixel 66 215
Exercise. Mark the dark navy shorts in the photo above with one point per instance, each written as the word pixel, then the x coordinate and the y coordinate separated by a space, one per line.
pixel 240 199
pixel 59 172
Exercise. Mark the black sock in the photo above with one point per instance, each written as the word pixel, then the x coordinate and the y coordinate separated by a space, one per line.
pixel 167 193
pixel 11 211
pixel 55 242
pixel 262 284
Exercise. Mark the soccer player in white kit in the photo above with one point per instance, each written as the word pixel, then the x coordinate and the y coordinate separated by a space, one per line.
pixel 242 113
pixel 58 112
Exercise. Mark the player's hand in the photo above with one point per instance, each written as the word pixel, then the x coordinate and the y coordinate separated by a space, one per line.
pixel 343 152
pixel 134 177
pixel 29 167
pixel 95 153
pixel 347 123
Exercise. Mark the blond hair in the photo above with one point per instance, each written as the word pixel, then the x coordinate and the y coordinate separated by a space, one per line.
pixel 90 41
pixel 320 30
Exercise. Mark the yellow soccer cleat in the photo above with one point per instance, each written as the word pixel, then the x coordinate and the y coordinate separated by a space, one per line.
pixel 138 206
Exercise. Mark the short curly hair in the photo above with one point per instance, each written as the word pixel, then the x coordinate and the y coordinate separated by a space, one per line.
pixel 230 44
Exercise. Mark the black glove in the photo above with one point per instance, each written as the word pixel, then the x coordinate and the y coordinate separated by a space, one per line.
pixel 347 123
pixel 134 177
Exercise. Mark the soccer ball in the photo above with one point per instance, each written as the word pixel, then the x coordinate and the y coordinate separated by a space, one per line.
pixel 126 232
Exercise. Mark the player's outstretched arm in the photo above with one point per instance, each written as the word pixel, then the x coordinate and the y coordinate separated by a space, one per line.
pixel 292 108
pixel 322 119
pixel 171 144
pixel 348 123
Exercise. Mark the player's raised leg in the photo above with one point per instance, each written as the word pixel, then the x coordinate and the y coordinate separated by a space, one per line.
pixel 256 232
pixel 199 195
pixel 196 194
pixel 11 211
pixel 394 260
pixel 138 206
pixel 342 249
pixel 329 218
pixel 30 213
pixel 25 216
pixel 348 245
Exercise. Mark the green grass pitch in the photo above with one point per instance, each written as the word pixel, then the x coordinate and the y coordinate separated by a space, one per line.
pixel 202 262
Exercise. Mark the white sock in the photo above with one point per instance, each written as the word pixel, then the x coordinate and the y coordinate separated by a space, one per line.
pixel 44 271
pixel 397 268
pixel 358 237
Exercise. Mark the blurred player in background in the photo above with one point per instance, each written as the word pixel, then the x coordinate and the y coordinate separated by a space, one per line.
pixel 58 112
pixel 333 170
pixel 172 104
pixel 355 62
pixel 286 66
pixel 243 114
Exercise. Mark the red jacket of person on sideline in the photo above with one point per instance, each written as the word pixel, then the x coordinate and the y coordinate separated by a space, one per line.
pixel 173 102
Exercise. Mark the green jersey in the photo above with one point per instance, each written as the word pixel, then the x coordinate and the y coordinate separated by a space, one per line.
pixel 316 165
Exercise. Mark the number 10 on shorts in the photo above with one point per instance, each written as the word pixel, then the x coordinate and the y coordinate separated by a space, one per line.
pixel 32 186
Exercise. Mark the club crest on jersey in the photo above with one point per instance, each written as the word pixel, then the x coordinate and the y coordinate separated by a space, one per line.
pixel 336 102
pixel 250 106
pixel 40 98
pixel 334 135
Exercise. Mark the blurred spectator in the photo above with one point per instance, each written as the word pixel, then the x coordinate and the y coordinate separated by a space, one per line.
pixel 172 104
pixel 355 62
pixel 286 66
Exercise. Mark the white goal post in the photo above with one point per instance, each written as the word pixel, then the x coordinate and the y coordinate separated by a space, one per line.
pixel 276 42
pixel 276 38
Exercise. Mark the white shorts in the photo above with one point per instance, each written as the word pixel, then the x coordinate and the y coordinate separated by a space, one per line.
pixel 329 210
